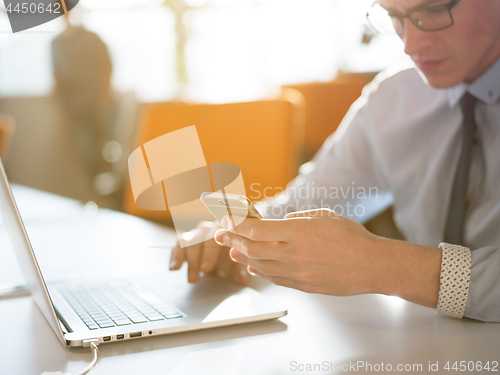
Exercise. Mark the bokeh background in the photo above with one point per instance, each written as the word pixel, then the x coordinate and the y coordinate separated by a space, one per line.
pixel 79 88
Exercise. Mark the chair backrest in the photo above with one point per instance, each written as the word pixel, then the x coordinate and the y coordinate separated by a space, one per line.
pixel 326 105
pixel 7 126
pixel 263 138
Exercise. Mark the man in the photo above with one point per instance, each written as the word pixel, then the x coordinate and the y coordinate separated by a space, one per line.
pixel 82 71
pixel 429 135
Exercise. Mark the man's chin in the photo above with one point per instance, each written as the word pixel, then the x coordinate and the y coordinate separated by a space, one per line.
pixel 438 81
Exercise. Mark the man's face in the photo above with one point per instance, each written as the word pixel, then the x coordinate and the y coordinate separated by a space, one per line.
pixel 460 53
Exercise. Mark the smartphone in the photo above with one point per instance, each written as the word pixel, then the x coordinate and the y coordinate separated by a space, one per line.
pixel 237 207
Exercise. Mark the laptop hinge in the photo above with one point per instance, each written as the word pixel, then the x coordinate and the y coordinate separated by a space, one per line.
pixel 65 327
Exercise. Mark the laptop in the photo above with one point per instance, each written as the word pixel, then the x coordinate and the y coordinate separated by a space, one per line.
pixel 125 309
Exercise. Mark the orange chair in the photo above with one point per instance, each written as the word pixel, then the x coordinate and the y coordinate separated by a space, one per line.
pixel 7 126
pixel 264 138
pixel 326 105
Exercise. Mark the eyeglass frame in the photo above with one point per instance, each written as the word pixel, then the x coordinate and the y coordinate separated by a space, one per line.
pixel 449 6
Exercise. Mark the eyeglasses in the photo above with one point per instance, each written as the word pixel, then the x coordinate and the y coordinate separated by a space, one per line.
pixel 432 18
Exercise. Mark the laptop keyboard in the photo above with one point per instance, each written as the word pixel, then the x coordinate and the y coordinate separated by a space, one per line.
pixel 107 306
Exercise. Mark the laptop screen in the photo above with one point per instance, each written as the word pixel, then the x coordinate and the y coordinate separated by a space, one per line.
pixel 27 260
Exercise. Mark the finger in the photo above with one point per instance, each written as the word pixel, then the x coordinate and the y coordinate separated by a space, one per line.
pixel 278 280
pixel 218 236
pixel 204 231
pixel 266 267
pixel 240 274
pixel 260 229
pixel 176 258
pixel 209 256
pixel 323 212
pixel 193 259
pixel 254 249
pixel 230 270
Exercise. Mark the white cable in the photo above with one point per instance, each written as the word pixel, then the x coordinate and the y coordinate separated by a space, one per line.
pixel 95 350
pixel 92 343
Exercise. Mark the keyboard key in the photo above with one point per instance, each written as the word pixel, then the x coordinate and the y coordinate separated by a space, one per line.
pixel 148 311
pixel 138 319
pixel 163 306
pixel 154 317
pixel 167 312
pixel 106 306
pixel 117 316
pixel 122 322
pixel 134 313
pixel 106 324
pixel 101 318
pixel 128 310
pixel 103 321
pixel 172 316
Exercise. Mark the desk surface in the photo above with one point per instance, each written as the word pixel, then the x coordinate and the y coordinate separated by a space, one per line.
pixel 319 335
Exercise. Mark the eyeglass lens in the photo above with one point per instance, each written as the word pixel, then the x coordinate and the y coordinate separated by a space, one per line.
pixel 431 19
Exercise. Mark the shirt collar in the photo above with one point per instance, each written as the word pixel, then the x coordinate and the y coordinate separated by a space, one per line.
pixel 486 88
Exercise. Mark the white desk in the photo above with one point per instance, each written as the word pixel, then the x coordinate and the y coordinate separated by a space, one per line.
pixel 323 330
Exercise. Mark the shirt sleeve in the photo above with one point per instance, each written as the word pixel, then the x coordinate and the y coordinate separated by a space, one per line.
pixel 343 176
pixel 470 283
pixel 483 302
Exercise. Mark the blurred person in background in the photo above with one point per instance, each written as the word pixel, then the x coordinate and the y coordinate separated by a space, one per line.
pixel 82 72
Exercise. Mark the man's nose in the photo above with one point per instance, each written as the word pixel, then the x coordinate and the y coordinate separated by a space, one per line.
pixel 414 39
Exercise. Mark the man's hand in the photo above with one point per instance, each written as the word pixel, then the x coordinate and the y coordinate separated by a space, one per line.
pixel 320 251
pixel 207 256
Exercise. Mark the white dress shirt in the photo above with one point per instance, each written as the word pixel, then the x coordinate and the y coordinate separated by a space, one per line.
pixel 400 143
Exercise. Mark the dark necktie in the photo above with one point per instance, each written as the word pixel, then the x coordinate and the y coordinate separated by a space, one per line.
pixel 453 233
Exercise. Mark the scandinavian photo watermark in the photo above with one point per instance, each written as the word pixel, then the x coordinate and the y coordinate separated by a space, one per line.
pixel 347 201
